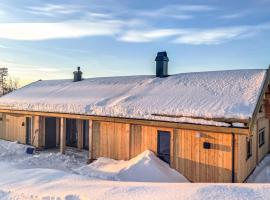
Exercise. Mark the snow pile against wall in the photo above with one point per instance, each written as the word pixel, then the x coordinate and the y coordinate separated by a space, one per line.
pixel 218 94
pixel 145 167
pixel 262 172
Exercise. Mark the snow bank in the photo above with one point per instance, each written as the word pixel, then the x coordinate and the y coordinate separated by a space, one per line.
pixel 21 184
pixel 231 94
pixel 48 181
pixel 16 154
pixel 262 172
pixel 145 167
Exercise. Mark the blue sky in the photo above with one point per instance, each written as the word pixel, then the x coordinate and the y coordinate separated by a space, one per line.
pixel 48 39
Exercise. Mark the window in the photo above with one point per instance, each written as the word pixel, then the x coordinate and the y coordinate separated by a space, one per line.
pixel 261 109
pixel 249 148
pixel 261 137
pixel 164 146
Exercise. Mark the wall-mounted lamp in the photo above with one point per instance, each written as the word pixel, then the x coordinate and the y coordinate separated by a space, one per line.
pixel 206 145
pixel 22 123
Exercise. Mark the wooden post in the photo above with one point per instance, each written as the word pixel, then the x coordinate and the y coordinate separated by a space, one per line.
pixel 63 135
pixel 41 136
pixel 90 140
pixel 36 133
pixel 80 133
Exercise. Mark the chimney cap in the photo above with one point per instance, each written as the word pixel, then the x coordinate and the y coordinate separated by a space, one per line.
pixel 162 56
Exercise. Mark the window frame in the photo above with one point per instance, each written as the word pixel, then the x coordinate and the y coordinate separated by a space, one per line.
pixel 261 137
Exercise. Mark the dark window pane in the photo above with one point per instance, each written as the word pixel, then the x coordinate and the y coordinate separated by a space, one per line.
pixel 163 149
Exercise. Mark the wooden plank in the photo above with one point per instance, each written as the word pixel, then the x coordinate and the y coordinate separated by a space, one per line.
pixel 187 126
pixel 199 164
pixel 217 119
pixel 63 135
pixel 79 125
pixel 135 140
pixel 96 139
pixel 90 140
pixel 35 132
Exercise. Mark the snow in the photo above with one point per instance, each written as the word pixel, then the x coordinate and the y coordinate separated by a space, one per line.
pixel 262 172
pixel 217 94
pixel 145 167
pixel 47 178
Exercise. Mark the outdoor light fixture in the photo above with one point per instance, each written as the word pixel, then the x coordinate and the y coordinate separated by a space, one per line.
pixel 206 145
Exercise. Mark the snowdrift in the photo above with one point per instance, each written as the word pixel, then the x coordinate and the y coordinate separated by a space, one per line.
pixel 145 167
pixel 262 172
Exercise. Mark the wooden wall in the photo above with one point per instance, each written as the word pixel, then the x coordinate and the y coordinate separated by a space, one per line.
pixel 111 140
pixel 124 141
pixel 187 153
pixel 203 165
pixel 13 128
pixel 144 138
pixel 264 149
pixel 243 165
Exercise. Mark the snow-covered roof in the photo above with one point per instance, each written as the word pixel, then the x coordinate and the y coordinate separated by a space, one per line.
pixel 216 94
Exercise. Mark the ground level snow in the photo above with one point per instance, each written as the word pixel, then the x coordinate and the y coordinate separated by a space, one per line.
pixel 262 172
pixel 51 175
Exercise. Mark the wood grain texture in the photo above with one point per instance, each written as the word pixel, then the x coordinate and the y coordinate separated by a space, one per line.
pixel 111 140
pixel 199 164
pixel 79 125
pixel 63 135
pixel 13 128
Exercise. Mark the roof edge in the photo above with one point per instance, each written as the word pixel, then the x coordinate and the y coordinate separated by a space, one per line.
pixel 158 123
pixel 260 99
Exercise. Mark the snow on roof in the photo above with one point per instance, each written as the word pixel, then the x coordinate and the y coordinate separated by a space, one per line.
pixel 217 94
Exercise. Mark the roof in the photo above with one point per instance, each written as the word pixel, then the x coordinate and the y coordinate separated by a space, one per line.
pixel 179 97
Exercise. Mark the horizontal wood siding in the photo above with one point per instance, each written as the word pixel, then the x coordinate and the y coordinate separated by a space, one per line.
pixel 199 164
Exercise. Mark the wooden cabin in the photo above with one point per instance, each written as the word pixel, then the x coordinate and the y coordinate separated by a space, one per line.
pixel 209 126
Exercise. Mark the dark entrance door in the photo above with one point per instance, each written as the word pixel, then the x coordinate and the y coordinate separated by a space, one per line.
pixel 28 130
pixel 50 132
pixel 163 147
pixel 86 134
pixel 71 130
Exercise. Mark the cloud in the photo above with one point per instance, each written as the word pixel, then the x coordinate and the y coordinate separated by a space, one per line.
pixel 176 11
pixel 3 47
pixel 235 15
pixel 53 9
pixel 195 36
pixel 148 36
pixel 213 36
pixel 220 35
pixel 58 30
